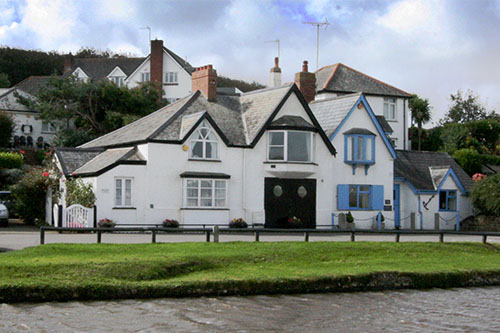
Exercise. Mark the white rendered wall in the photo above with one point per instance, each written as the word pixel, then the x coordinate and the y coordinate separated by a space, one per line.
pixel 179 90
pixel 380 173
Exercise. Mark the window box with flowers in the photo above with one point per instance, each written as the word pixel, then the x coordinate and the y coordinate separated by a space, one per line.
pixel 170 223
pixel 106 223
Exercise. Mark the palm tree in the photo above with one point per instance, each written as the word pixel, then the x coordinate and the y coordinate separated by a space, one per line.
pixel 420 113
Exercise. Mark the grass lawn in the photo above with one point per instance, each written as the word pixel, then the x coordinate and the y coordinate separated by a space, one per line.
pixel 146 268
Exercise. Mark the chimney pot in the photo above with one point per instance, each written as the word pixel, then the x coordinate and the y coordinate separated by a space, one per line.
pixel 304 66
pixel 276 61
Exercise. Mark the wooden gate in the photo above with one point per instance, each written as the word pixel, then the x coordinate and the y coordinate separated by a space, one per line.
pixel 77 216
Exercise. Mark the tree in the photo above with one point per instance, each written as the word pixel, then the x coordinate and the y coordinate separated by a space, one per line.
pixel 420 113
pixel 6 129
pixel 85 110
pixel 244 86
pixel 4 80
pixel 486 195
pixel 465 108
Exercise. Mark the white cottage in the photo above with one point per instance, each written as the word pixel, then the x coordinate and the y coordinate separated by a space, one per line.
pixel 208 158
pixel 162 65
pixel 266 156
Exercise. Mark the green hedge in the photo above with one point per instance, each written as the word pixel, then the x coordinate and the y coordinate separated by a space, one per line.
pixel 11 160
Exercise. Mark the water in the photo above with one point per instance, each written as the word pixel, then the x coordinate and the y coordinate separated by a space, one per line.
pixel 436 310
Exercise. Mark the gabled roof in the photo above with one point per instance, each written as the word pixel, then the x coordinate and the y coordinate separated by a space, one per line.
pixel 100 68
pixel 333 113
pixel 291 122
pixel 73 158
pixel 426 170
pixel 183 63
pixel 32 84
pixel 239 120
pixel 340 78
pixel 109 159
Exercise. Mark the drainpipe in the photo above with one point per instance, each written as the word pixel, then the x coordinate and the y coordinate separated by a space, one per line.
pixel 405 134
pixel 420 213
pixel 243 185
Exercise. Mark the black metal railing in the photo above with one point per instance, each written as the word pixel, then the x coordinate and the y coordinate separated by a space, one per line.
pixel 217 231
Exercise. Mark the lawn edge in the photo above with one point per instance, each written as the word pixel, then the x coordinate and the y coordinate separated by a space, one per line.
pixel 376 281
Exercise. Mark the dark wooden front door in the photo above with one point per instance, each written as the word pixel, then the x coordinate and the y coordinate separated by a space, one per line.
pixel 286 198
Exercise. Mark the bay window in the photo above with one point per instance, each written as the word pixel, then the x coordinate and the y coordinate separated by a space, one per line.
pixel 290 146
pixel 359 149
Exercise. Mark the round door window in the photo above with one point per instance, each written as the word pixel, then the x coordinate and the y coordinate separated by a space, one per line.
pixel 278 191
pixel 301 191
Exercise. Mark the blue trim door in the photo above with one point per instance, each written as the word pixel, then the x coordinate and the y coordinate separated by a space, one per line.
pixel 397 205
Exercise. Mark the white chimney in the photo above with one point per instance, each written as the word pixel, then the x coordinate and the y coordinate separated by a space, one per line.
pixel 275 76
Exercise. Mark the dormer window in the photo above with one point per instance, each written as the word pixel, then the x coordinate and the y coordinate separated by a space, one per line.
pixel 204 143
pixel 360 148
pixel 290 146
pixel 118 80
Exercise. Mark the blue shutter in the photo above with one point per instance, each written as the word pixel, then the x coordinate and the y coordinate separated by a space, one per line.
pixel 342 197
pixel 378 197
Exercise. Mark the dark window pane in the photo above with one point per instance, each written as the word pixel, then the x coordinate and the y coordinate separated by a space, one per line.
pixel 299 146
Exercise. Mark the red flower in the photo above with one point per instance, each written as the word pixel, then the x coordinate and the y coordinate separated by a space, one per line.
pixel 45 174
pixel 22 152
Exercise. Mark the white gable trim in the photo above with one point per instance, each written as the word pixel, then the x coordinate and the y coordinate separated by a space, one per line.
pixel 117 72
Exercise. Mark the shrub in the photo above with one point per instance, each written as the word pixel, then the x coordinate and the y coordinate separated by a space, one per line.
pixel 238 223
pixel 10 177
pixel 77 192
pixel 349 218
pixel 486 195
pixel 469 159
pixel 6 129
pixel 106 223
pixel 29 195
pixel 170 223
pixel 11 160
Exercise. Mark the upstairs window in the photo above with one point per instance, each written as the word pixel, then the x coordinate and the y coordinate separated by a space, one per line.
pixel 360 149
pixel 48 127
pixel 290 146
pixel 448 200
pixel 118 80
pixel 145 77
pixel 204 144
pixel 171 77
pixel 390 108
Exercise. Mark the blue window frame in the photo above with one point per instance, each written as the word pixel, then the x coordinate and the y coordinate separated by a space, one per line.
pixel 359 149
pixel 360 197
pixel 448 200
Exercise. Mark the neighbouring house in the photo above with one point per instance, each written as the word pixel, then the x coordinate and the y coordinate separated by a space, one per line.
pixel 30 131
pixel 266 156
pixel 161 65
pixel 385 100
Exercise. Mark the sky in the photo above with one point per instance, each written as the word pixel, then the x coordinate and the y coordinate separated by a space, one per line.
pixel 431 48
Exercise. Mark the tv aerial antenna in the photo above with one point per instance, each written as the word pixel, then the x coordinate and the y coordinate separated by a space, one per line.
pixel 149 30
pixel 318 25
pixel 277 41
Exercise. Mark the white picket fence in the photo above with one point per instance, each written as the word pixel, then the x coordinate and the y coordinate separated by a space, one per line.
pixel 77 216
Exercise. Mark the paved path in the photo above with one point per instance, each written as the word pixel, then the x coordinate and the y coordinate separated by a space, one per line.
pixel 16 240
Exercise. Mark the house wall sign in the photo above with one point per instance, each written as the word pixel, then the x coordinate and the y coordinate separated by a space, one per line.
pixel 27 129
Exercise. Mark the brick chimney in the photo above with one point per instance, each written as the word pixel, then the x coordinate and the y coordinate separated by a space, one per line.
pixel 156 62
pixel 275 76
pixel 68 63
pixel 205 79
pixel 306 82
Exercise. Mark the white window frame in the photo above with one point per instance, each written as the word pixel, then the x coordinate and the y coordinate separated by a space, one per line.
pixel 48 127
pixel 123 190
pixel 145 77
pixel 205 141
pixel 199 197
pixel 171 77
pixel 118 80
pixel 285 146
pixel 390 101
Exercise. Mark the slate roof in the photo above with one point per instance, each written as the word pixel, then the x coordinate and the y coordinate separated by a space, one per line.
pixel 184 64
pixel 231 114
pixel 416 166
pixel 107 159
pixel 331 111
pixel 73 158
pixel 292 121
pixel 100 68
pixel 384 124
pixel 356 130
pixel 343 79
pixel 32 84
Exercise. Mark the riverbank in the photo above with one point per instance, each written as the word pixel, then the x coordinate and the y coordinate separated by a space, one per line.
pixel 62 272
